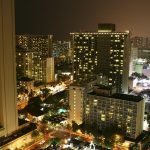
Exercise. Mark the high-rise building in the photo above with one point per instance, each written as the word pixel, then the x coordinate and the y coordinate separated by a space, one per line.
pixel 32 52
pixel 37 43
pixel 85 59
pixel 105 110
pixel 104 52
pixel 24 63
pixel 142 46
pixel 76 100
pixel 139 42
pixel 133 57
pixel 148 42
pixel 61 49
pixel 140 54
pixel 8 103
pixel 50 75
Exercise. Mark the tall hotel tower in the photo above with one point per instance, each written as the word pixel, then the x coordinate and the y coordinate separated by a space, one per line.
pixel 33 56
pixel 8 111
pixel 105 52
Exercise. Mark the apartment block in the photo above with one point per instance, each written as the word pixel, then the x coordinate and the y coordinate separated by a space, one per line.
pixel 122 110
pixel 33 55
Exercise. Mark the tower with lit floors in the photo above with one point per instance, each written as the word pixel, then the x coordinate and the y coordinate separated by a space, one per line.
pixel 33 53
pixel 105 52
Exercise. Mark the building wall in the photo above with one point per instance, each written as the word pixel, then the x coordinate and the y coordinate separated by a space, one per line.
pixel 140 42
pixel 144 53
pixel 60 49
pixel 126 62
pixel 33 50
pixel 140 118
pixel 50 75
pixel 133 56
pixel 24 64
pixel 107 53
pixel 84 56
pixel 76 97
pixel 106 111
pixel 8 99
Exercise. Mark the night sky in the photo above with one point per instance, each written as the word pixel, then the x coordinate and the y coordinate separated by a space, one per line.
pixel 60 17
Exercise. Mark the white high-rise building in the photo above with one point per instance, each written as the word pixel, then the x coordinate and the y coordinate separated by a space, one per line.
pixel 76 103
pixel 50 75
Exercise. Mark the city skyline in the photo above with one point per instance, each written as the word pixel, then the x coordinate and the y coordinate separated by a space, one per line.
pixel 84 97
pixel 62 17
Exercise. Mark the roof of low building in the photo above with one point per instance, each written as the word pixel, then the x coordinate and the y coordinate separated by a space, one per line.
pixel 120 96
pixel 127 97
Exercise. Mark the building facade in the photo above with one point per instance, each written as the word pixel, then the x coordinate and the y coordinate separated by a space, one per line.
pixel 50 74
pixel 105 52
pixel 61 49
pixel 76 100
pixel 8 98
pixel 141 42
pixel 122 110
pixel 32 52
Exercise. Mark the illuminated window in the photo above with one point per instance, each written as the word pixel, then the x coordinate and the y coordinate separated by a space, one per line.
pixel 103 117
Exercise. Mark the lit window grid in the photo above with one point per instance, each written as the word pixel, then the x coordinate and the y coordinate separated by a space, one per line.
pixel 81 42
pixel 115 111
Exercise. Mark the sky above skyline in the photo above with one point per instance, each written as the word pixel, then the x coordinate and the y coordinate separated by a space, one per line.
pixel 60 17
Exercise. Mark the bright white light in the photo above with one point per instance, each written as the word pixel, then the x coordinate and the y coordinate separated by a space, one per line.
pixel 42 109
pixel 66 73
pixel 145 125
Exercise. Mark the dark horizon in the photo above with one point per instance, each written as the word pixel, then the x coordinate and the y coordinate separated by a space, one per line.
pixel 59 18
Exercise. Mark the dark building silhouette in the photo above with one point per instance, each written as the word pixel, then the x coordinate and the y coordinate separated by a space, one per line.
pixel 105 52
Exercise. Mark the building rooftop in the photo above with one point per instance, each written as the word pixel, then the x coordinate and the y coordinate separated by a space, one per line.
pixel 97 94
pixel 121 96
pixel 104 87
pixel 99 33
pixel 127 97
